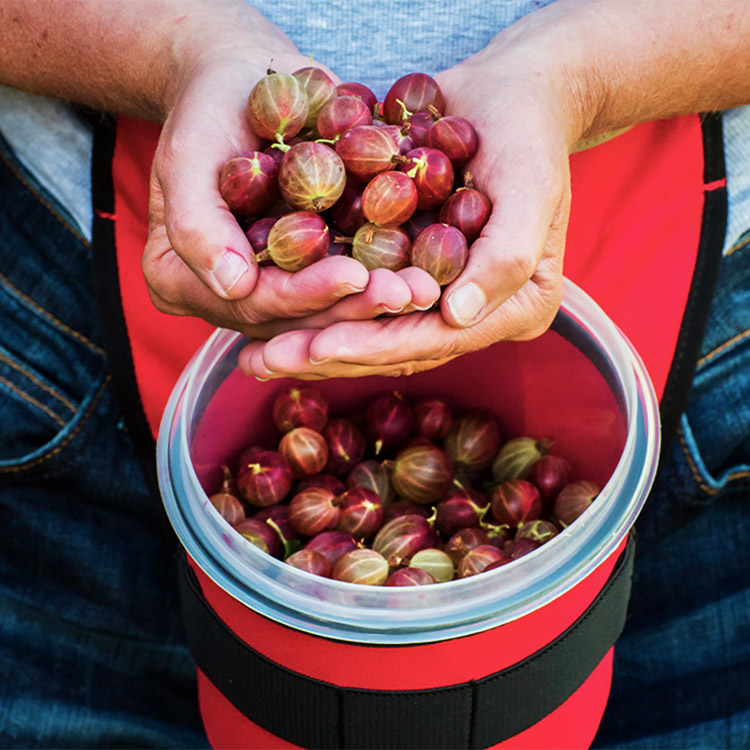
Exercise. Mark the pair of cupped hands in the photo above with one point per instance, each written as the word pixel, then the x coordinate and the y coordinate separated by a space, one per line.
pixel 334 318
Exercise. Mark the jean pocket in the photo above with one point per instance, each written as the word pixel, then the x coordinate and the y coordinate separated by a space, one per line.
pixel 50 375
pixel 714 434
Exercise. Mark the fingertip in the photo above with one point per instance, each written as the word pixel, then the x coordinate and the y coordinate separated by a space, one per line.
pixel 425 290
pixel 288 352
pixel 247 357
pixel 389 290
pixel 355 277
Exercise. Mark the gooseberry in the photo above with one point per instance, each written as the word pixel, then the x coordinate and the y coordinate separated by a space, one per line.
pixel 442 251
pixel 305 450
pixel 277 107
pixel 311 176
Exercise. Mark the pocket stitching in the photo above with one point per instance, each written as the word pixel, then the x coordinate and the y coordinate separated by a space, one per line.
pixel 36 381
pixel 691 463
pixel 698 477
pixel 30 399
pixel 738 246
pixel 84 418
pixel 52 319
pixel 719 349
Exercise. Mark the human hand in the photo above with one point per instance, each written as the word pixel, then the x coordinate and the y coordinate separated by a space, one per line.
pixel 511 287
pixel 197 260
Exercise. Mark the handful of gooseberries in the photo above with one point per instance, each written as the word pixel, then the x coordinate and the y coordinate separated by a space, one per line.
pixel 341 173
pixel 397 494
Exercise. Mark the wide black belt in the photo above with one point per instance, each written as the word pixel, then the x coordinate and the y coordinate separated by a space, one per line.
pixel 475 714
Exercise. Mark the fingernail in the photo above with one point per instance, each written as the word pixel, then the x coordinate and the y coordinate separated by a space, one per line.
pixel 319 361
pixel 345 289
pixel 466 303
pixel 229 269
pixel 424 307
pixel 393 309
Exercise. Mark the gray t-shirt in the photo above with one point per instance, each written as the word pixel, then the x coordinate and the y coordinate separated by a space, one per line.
pixel 370 41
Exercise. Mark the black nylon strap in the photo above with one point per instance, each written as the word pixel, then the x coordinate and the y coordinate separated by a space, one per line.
pixel 476 714
pixel 705 275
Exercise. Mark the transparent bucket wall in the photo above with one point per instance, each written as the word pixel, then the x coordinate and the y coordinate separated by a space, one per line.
pixel 580 384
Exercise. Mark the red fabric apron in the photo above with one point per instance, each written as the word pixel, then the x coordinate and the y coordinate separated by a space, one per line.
pixel 633 244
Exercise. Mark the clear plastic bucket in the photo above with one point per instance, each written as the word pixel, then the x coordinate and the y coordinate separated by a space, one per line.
pixel 580 383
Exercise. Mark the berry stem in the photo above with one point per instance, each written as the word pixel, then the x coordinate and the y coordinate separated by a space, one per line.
pixel 434 112
pixel 419 163
pixel 227 483
pixel 406 114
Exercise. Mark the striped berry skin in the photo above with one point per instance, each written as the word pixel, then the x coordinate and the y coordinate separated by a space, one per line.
pixel 361 512
pixel 432 173
pixel 442 251
pixel 247 183
pixel 313 510
pixel 455 137
pixel 264 477
pixel 468 210
pixel 381 247
pixel 368 150
pixel 473 440
pixel 332 544
pixel 476 560
pixel 300 406
pixel 515 502
pixel 414 92
pixel 359 91
pixel 310 561
pixel 340 114
pixel 422 473
pixel 277 106
pixel 400 538
pixel 363 566
pixel 390 199
pixel 296 241
pixel 305 450
pixel 409 577
pixel 312 176
pixel 319 88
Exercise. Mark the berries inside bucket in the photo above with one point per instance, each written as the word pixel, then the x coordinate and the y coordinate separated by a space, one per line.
pixel 414 491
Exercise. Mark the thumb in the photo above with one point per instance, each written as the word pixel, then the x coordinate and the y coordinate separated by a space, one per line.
pixel 200 227
pixel 530 206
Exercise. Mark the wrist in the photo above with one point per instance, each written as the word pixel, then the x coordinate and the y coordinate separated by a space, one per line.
pixel 551 50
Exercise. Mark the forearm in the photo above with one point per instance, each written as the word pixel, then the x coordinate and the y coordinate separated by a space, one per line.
pixel 126 56
pixel 622 62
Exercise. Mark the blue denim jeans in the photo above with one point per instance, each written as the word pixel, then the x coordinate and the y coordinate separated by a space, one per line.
pixel 682 666
pixel 91 644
